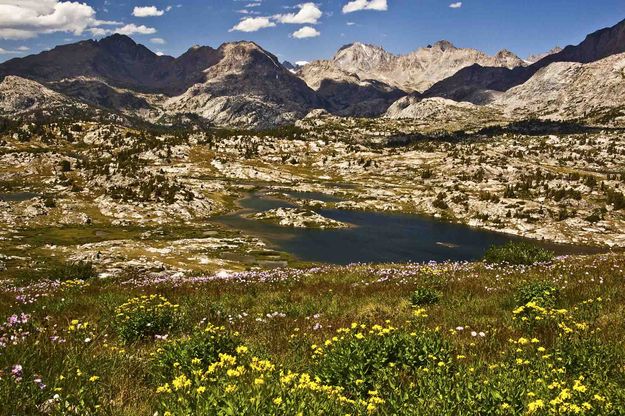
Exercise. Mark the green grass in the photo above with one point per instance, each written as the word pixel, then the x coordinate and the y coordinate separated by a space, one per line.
pixel 478 351
pixel 517 253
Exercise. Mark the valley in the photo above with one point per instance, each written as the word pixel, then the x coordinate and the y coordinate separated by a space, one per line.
pixel 102 181
pixel 437 232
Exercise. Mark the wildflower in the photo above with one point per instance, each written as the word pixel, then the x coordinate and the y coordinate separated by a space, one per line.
pixel 535 405
pixel 277 401
pixel 16 371
pixel 164 389
pixel 93 379
pixel 578 386
pixel 181 382
pixel 200 390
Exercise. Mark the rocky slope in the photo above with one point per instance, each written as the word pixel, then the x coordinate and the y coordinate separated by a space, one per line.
pixel 476 82
pixel 119 62
pixel 236 84
pixel 19 95
pixel 570 90
pixel 441 110
pixel 414 72
pixel 346 93
pixel 537 57
pixel 248 87
pixel 240 84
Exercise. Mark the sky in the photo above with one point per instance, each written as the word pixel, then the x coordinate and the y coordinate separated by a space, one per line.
pixel 299 30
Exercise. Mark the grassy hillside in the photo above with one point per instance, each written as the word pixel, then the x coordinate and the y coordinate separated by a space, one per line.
pixel 440 339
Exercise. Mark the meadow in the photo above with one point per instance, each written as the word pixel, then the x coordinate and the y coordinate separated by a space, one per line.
pixel 479 338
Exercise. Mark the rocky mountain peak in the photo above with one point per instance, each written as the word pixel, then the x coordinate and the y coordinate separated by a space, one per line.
pixel 475 81
pixel 537 57
pixel 237 55
pixel 360 51
pixel 444 45
pixel 118 41
pixel 505 53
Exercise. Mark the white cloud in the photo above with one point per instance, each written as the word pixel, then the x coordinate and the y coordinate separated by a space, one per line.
pixel 308 13
pixel 23 19
pixel 252 24
pixel 98 31
pixel 302 63
pixel 357 5
pixel 306 32
pixel 158 41
pixel 132 29
pixel 456 5
pixel 23 48
pixel 147 11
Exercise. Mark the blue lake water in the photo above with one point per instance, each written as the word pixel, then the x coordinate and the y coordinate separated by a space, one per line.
pixel 375 238
pixel 18 196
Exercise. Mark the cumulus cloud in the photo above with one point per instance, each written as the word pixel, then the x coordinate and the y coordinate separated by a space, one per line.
pixel 308 13
pixel 23 19
pixel 147 11
pixel 456 5
pixel 131 29
pixel 306 32
pixel 252 24
pixel 357 5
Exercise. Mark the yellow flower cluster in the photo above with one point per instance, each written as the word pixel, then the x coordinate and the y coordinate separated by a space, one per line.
pixel 145 303
pixel 244 373
pixel 71 284
pixel 354 331
pixel 533 312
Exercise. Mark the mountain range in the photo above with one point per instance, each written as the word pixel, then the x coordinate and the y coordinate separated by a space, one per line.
pixel 241 84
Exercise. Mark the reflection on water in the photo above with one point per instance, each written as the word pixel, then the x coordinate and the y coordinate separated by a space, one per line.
pixel 18 196
pixel 376 237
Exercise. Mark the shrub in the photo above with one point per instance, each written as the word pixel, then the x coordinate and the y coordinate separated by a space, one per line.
pixel 72 271
pixel 144 317
pixel 357 358
pixel 517 254
pixel 544 294
pixel 201 348
pixel 245 385
pixel 425 296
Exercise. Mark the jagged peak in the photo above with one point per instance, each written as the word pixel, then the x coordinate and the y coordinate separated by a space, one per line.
pixel 361 46
pixel 117 38
pixel 248 44
pixel 507 54
pixel 444 45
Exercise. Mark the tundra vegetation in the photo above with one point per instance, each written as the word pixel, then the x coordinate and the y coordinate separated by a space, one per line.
pixel 120 295
pixel 443 339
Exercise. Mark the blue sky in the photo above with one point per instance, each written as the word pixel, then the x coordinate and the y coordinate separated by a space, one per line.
pixel 299 30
